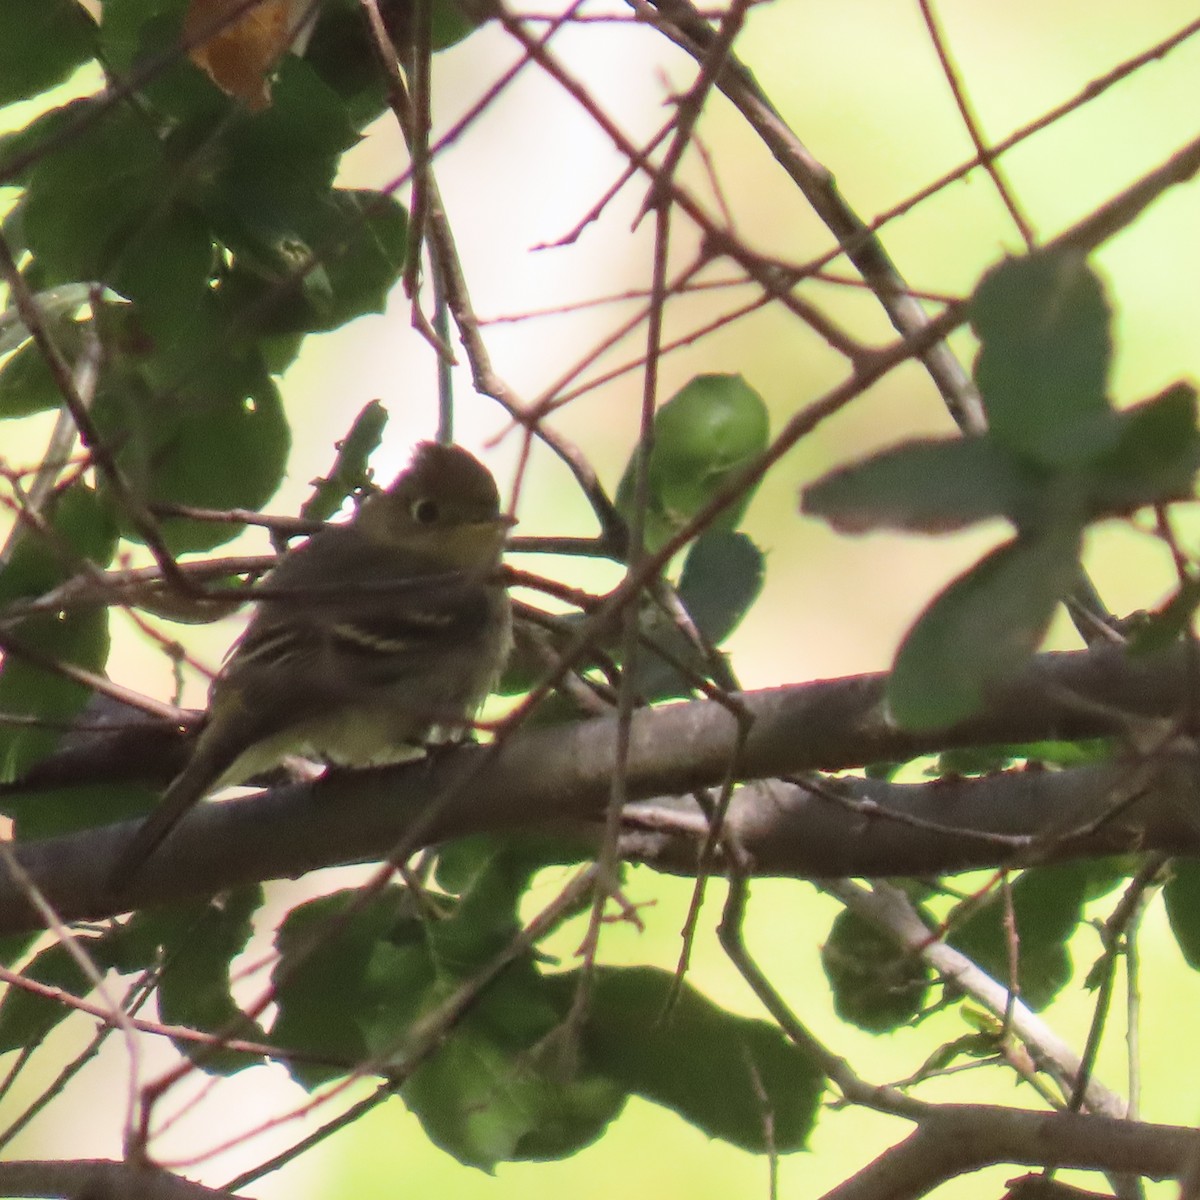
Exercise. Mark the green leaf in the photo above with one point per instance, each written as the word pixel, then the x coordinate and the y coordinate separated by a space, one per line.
pixel 165 269
pixel 30 144
pixel 91 195
pixel 1155 458
pixel 271 168
pixel 487 1105
pixel 31 690
pixel 982 628
pixel 41 43
pixel 722 577
pixel 707 433
pixel 473 1101
pixel 135 945
pixel 737 1079
pixel 334 980
pixel 877 985
pixel 54 304
pixel 126 25
pixel 1181 895
pixel 971 760
pixel 981 760
pixel 26 1018
pixel 933 486
pixel 342 53
pixel 224 448
pixel 1042 369
pixel 334 260
pixel 82 532
pixel 26 383
pixel 360 238
pixel 1047 909
pixel 492 876
pixel 193 988
pixel 1155 631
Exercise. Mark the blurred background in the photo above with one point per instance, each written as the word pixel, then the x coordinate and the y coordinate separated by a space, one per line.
pixel 860 84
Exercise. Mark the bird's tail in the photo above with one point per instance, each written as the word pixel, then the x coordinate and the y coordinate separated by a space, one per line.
pixel 191 785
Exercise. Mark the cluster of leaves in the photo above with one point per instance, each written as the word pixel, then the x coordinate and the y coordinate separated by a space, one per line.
pixel 187 246
pixel 516 1074
pixel 704 438
pixel 193 241
pixel 1056 458
pixel 880 987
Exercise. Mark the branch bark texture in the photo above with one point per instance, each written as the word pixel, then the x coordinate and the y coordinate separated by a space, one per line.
pixel 560 778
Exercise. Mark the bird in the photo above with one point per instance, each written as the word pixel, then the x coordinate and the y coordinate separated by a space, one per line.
pixel 375 638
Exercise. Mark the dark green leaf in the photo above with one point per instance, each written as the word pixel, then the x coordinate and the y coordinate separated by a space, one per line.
pixel 91 195
pixel 81 533
pixel 305 121
pixel 491 876
pixel 708 432
pixel 1065 754
pixel 971 760
pixel 474 1101
pixel 886 771
pixel 193 988
pixel 486 1105
pixel 41 43
pixel 271 169
pixel 933 486
pixel 1155 457
pixel 165 268
pixel 722 577
pixel 733 1078
pixel 143 36
pixel 25 146
pixel 135 945
pixel 1181 895
pixel 341 51
pixel 982 628
pixel 1042 370
pixel 51 812
pixel 335 260
pixel 26 383
pixel 877 985
pixel 360 238
pixel 495 871
pixel 219 449
pixel 15 946
pixel 1158 630
pixel 78 638
pixel 125 29
pixel 334 980
pixel 1047 909
pixel 25 1017
pixel 975 760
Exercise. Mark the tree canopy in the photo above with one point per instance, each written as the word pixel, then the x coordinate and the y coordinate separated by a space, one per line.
pixel 177 224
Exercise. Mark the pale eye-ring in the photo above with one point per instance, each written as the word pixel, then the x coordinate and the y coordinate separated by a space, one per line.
pixel 425 511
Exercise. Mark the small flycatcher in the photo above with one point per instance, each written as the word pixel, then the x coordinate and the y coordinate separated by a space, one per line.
pixel 380 634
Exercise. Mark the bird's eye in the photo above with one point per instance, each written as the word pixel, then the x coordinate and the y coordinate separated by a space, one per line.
pixel 425 511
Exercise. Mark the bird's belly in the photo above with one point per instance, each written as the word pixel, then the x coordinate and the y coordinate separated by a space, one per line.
pixel 360 738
